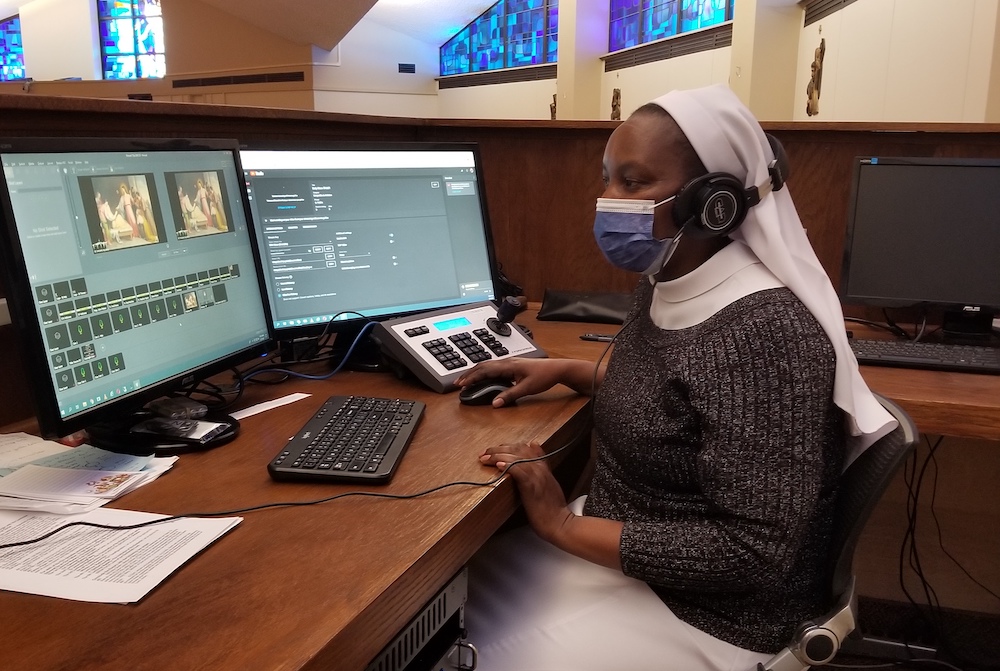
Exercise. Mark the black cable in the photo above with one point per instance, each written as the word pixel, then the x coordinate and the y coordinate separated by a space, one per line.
pixel 910 542
pixel 895 665
pixel 310 355
pixel 285 504
pixel 294 504
pixel 895 328
pixel 940 537
pixel 932 614
pixel 880 325
pixel 291 373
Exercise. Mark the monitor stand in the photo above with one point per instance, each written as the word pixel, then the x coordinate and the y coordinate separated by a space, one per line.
pixel 144 434
pixel 960 327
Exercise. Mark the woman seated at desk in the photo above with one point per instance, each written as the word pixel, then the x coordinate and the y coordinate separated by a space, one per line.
pixel 721 422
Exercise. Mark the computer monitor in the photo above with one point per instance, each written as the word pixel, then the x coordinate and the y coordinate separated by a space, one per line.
pixel 130 271
pixel 925 232
pixel 355 232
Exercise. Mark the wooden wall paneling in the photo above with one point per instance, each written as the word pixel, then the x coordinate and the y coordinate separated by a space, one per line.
pixel 822 156
pixel 542 177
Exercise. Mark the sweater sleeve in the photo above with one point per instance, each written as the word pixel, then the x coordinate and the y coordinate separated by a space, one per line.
pixel 761 391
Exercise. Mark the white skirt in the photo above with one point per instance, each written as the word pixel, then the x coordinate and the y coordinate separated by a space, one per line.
pixel 533 607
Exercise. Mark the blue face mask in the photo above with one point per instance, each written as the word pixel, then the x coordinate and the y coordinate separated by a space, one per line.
pixel 624 232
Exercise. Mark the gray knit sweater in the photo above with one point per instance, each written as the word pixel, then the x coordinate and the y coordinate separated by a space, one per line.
pixel 719 447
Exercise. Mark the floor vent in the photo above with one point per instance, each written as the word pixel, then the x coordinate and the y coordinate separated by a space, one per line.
pixel 444 609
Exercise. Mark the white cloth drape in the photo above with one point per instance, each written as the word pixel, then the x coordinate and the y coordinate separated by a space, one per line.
pixel 729 139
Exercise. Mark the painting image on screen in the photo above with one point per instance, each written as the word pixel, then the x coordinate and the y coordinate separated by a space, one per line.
pixel 199 203
pixel 121 211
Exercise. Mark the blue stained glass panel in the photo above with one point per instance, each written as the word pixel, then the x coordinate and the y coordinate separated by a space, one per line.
pixel 552 30
pixel 114 8
pixel 624 28
pixel 131 34
pixel 151 65
pixel 702 14
pixel 487 40
pixel 511 33
pixel 119 67
pixel 659 19
pixel 635 22
pixel 149 35
pixel 455 54
pixel 117 37
pixel 526 36
pixel 11 50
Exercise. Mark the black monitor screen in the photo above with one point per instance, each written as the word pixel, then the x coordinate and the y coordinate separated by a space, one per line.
pixel 130 269
pixel 924 232
pixel 377 231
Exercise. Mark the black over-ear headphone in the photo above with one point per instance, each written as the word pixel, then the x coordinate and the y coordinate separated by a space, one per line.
pixel 717 203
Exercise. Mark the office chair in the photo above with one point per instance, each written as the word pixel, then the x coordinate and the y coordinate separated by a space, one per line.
pixel 816 642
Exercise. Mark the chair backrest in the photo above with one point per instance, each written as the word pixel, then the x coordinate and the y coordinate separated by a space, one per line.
pixel 861 487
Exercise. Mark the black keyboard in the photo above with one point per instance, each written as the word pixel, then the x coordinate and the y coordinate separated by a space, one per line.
pixel 350 439
pixel 935 356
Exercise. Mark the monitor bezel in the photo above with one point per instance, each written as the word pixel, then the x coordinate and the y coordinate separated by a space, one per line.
pixel 849 298
pixel 21 302
pixel 346 330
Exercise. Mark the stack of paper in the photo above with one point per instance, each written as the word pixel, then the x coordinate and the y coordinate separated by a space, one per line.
pixel 119 565
pixel 45 476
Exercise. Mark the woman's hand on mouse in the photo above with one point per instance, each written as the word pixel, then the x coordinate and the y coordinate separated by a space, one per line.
pixel 540 492
pixel 532 376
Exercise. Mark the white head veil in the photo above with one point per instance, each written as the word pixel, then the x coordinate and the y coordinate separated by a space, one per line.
pixel 729 139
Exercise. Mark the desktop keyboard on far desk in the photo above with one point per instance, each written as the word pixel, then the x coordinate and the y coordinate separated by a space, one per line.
pixel 350 439
pixel 934 356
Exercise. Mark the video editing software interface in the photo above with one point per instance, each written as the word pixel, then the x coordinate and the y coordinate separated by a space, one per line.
pixel 924 231
pixel 381 231
pixel 140 265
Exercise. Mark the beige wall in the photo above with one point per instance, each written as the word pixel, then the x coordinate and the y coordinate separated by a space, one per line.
pixel 60 39
pixel 886 60
pixel 200 39
pixel 902 60
pixel 361 75
pixel 642 83
pixel 520 100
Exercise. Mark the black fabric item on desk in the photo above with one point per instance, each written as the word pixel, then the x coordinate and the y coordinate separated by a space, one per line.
pixel 576 306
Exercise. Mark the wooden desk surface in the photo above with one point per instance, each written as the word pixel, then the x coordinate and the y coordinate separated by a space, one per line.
pixel 328 586
pixel 315 587
pixel 965 405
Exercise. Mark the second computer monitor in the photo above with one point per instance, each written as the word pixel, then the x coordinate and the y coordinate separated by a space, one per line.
pixel 359 232
pixel 923 232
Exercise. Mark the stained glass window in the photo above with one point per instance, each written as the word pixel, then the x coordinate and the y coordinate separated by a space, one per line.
pixel 511 33
pixel 11 51
pixel 635 22
pixel 131 33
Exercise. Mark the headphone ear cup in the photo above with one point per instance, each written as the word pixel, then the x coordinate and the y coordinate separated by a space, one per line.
pixel 711 205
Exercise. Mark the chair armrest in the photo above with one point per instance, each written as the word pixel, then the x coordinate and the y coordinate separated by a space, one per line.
pixel 816 642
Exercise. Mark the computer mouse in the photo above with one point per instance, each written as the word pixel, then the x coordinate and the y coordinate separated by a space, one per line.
pixel 484 391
